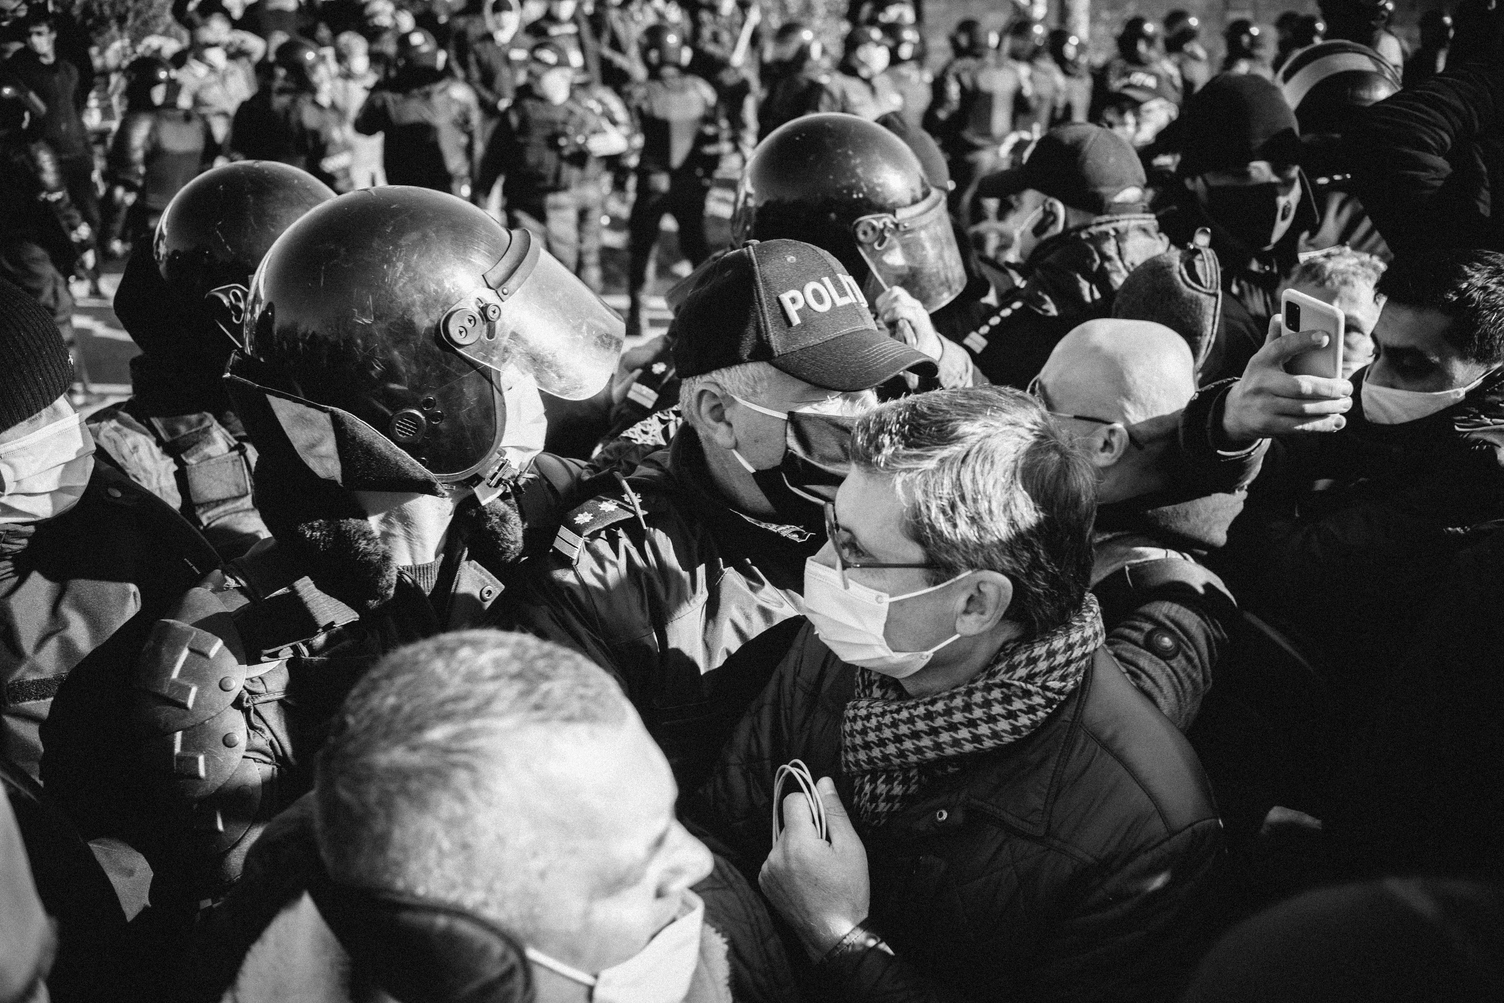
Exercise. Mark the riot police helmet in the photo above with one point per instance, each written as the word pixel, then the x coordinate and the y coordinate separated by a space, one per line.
pixel 142 76
pixel 906 42
pixel 1244 40
pixel 1137 39
pixel 299 61
pixel 416 332
pixel 663 45
pixel 187 295
pixel 852 187
pixel 1181 29
pixel 969 38
pixel 1326 82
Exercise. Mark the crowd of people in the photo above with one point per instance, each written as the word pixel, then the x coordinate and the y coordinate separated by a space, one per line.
pixel 1046 557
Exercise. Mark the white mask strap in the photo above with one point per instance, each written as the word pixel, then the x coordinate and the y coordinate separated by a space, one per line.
pixel 932 588
pixel 558 967
pixel 781 415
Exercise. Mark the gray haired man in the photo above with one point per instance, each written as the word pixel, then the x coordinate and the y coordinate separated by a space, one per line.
pixel 1020 815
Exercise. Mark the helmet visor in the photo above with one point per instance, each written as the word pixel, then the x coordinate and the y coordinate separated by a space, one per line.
pixel 540 320
pixel 914 249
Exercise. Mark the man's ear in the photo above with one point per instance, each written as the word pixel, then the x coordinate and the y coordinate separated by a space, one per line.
pixel 983 603
pixel 706 411
pixel 1051 219
pixel 1107 446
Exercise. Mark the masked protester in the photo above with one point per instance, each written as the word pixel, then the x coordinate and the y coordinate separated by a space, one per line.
pixel 571 878
pixel 292 121
pixel 396 423
pixel 219 74
pixel 1373 485
pixel 182 300
pixel 1239 176
pixel 90 560
pixel 937 688
pixel 669 571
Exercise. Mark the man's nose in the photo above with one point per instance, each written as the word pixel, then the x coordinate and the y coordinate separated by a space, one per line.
pixel 692 862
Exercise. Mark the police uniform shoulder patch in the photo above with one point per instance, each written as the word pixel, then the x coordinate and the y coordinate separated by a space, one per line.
pixel 587 520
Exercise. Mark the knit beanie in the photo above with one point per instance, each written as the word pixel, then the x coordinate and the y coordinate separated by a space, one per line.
pixel 34 366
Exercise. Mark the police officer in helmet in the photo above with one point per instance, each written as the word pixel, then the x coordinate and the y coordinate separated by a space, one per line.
pixel 291 121
pixel 396 342
pixel 856 190
pixel 182 300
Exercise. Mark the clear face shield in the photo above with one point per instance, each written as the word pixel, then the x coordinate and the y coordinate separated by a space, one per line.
pixel 534 317
pixel 914 248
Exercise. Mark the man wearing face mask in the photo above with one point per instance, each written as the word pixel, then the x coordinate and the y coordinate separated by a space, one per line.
pixel 667 572
pixel 859 87
pixel 1075 220
pixel 396 424
pixel 219 75
pixel 88 560
pixel 1001 807
pixel 570 879
pixel 1239 177
pixel 1372 486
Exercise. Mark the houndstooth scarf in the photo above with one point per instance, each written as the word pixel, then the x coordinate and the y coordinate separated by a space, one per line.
pixel 892 743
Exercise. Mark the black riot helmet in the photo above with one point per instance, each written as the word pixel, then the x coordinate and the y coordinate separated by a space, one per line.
pixel 1137 39
pixel 187 298
pixel 1356 20
pixel 1181 29
pixel 1243 39
pixel 906 41
pixel 663 45
pixel 1065 49
pixel 969 38
pixel 1327 82
pixel 852 187
pixel 298 59
pixel 142 75
pixel 398 338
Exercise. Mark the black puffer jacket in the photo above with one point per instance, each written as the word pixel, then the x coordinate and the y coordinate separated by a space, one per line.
pixel 1428 160
pixel 1074 864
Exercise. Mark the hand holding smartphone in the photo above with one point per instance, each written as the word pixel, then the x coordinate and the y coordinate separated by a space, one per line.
pixel 1300 313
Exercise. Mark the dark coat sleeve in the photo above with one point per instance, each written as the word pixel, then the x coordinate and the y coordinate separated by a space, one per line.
pixel 1422 160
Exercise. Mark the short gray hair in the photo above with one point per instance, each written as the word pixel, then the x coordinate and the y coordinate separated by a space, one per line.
pixel 431 739
pixel 748 381
pixel 1339 268
pixel 989 482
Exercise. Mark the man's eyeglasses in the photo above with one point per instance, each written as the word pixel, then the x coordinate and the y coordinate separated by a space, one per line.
pixel 1036 390
pixel 833 532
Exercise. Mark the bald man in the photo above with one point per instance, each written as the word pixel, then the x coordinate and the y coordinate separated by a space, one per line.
pixel 1119 387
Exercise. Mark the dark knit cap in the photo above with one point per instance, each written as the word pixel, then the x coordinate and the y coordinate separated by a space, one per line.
pixel 1235 119
pixel 34 366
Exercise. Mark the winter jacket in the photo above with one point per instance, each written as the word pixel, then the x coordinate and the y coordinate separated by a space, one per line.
pixel 1425 160
pixel 658 580
pixel 82 589
pixel 1070 278
pixel 1076 863
pixel 1344 534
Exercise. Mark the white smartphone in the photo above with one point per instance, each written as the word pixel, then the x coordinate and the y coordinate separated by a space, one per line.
pixel 1300 313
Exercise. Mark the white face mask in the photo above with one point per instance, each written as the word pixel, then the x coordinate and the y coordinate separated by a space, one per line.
pixel 1392 406
pixel 851 621
pixel 659 973
pixel 525 431
pixel 43 475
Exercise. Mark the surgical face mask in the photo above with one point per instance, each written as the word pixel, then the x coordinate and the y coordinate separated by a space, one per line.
pixel 1257 216
pixel 43 474
pixel 816 459
pixel 1392 406
pixel 659 973
pixel 851 619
